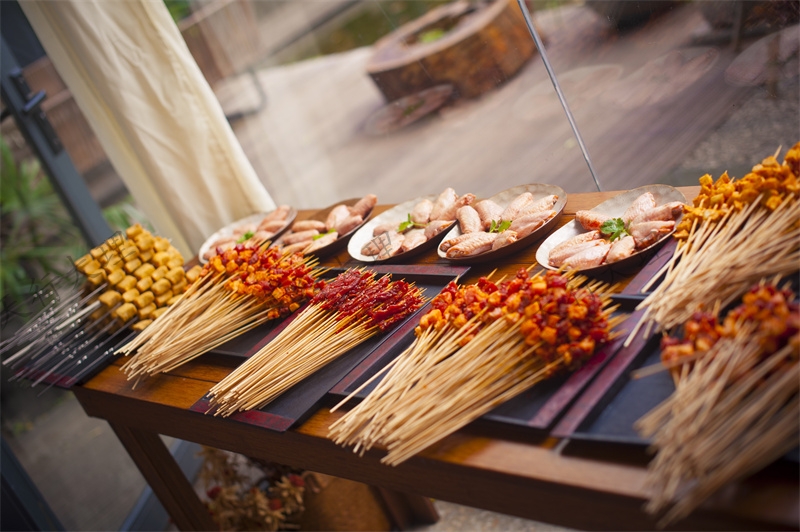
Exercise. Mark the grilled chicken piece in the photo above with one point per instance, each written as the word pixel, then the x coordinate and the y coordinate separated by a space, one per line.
pixel 525 225
pixel 281 213
pixel 621 248
pixel 666 212
pixel 640 205
pixel 542 204
pixel 505 238
pixel 488 211
pixel 450 212
pixel 384 245
pixel 513 209
pixel 348 224
pixel 589 257
pixel 559 256
pixel 591 220
pixel 648 233
pixel 475 244
pixel 271 225
pixel 435 227
pixel 321 242
pixel 578 239
pixel 302 236
pixel 443 203
pixel 421 213
pixel 447 244
pixel 304 225
pixel 337 215
pixel 364 205
pixel 468 219
pixel 413 238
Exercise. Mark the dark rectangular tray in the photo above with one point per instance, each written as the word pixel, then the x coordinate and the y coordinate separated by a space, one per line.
pixel 302 399
pixel 537 408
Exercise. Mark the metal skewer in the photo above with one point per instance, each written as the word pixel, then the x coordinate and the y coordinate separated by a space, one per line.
pixel 540 45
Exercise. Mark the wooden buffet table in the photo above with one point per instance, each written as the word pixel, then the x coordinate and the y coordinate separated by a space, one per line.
pixel 509 473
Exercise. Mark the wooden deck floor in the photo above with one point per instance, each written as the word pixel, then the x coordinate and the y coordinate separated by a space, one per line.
pixel 642 101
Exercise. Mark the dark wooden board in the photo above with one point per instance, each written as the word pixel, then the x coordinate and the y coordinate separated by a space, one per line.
pixel 301 400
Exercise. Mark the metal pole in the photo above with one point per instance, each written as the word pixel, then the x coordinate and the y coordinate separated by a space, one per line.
pixel 540 46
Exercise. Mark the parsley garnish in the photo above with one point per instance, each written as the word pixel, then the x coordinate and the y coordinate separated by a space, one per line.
pixel 247 236
pixel 614 228
pixel 409 224
pixel 499 226
pixel 329 231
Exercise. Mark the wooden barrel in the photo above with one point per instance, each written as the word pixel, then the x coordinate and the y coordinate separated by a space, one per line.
pixel 479 46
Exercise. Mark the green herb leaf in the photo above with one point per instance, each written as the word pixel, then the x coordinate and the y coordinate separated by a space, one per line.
pixel 329 231
pixel 247 236
pixel 499 226
pixel 614 228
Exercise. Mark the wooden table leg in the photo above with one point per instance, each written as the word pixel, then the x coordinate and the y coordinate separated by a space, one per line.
pixel 165 477
pixel 405 510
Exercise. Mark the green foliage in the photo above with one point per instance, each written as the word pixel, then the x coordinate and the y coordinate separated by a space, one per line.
pixel 178 9
pixel 37 236
pixel 614 228
pixel 122 215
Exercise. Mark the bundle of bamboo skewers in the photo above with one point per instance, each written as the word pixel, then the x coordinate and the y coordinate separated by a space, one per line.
pixel 127 281
pixel 235 292
pixel 478 347
pixel 736 407
pixel 738 233
pixel 351 308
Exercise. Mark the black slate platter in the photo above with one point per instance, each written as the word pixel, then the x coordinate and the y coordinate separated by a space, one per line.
pixel 302 399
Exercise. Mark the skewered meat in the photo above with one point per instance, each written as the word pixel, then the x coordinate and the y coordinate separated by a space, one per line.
pixel 505 238
pixel 647 233
pixel 421 213
pixel 469 220
pixel 515 207
pixel 542 204
pixel 488 211
pixel 589 257
pixel 475 244
pixel 591 220
pixel 640 205
pixel 364 205
pixel 621 248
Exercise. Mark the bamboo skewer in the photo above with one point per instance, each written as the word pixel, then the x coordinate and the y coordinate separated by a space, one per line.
pixel 444 380
pixel 321 333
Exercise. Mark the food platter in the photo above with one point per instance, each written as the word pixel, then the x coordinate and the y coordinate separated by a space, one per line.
pixel 229 230
pixel 614 207
pixel 396 214
pixel 503 198
pixel 338 244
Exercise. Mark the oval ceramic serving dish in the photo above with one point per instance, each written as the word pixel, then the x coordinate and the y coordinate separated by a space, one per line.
pixel 396 215
pixel 614 207
pixel 338 244
pixel 229 229
pixel 503 199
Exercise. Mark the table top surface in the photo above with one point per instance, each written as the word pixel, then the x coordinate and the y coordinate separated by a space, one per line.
pixel 510 473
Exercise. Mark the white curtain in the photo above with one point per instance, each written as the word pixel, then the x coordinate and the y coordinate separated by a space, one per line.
pixel 130 72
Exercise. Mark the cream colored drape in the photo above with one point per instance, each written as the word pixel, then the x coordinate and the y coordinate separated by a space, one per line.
pixel 130 72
